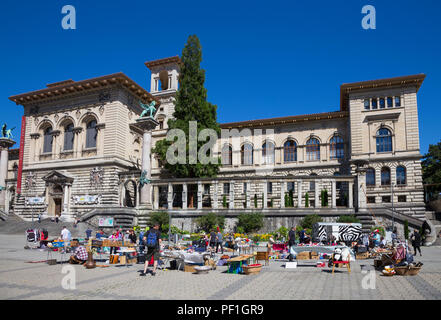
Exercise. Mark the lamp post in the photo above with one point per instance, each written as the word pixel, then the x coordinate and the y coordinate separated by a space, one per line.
pixel 392 201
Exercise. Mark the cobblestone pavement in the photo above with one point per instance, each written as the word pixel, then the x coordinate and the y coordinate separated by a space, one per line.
pixel 22 280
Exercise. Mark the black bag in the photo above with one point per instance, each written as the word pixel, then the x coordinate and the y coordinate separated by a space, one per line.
pixel 140 258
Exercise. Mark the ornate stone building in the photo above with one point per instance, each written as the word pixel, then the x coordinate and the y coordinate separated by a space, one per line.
pixel 83 152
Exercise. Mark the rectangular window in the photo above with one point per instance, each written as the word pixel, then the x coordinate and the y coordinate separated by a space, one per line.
pixel 401 198
pixel 374 103
pixel 290 186
pixel 397 101
pixel 389 102
pixel 269 187
pixel 226 188
pixel 206 189
pixel 245 187
pixel 385 199
pixel 367 104
pixel 312 186
pixel 370 199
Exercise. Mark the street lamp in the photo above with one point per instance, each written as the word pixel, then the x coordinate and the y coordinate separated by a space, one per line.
pixel 392 201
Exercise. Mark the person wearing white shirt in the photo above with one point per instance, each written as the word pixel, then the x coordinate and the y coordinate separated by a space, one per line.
pixel 65 234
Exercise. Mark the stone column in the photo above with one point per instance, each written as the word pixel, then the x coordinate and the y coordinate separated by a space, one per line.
pixel 350 195
pixel 200 192
pixel 333 195
pixel 65 198
pixel 170 197
pixel 299 194
pixel 5 144
pixel 146 125
pixel 282 194
pixel 231 202
pixel 265 194
pixel 184 196
pixel 215 196
pixel 317 202
pixel 361 189
pixel 155 197
pixel 247 195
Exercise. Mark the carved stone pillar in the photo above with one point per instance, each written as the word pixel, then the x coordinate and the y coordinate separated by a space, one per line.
pixel 215 203
pixel 265 194
pixel 184 196
pixel 317 202
pixel 299 194
pixel 333 195
pixel 5 144
pixel 146 125
pixel 170 196
pixel 350 195
pixel 231 202
pixel 200 193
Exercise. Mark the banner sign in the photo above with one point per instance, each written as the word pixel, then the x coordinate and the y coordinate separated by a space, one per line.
pixel 34 200
pixel 20 154
pixel 105 222
pixel 86 199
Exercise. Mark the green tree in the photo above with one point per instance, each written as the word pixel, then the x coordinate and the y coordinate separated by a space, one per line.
pixel 308 221
pixel 286 200
pixel 307 200
pixel 291 199
pixel 210 221
pixel 224 201
pixel 190 105
pixel 160 217
pixel 406 229
pixel 255 200
pixel 250 222
pixel 431 166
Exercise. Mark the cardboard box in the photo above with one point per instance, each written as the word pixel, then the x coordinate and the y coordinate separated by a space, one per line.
pixel 303 256
pixel 364 255
pixel 189 268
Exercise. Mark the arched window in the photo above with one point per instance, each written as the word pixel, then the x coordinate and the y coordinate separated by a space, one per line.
pixel 337 148
pixel 246 154
pixel 384 140
pixel 370 177
pixel 268 153
pixel 401 175
pixel 68 137
pixel 385 176
pixel 313 149
pixel 227 155
pixel 290 151
pixel 91 133
pixel 47 141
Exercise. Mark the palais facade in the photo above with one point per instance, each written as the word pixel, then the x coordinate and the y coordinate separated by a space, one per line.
pixel 83 151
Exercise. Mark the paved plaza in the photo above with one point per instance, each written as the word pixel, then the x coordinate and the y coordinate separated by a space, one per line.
pixel 22 280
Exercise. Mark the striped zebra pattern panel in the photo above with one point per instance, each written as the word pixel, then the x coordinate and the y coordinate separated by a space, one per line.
pixel 349 233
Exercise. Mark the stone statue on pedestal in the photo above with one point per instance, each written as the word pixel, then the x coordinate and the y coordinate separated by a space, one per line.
pixel 143 179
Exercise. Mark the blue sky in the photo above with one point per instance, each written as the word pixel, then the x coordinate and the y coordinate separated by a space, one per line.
pixel 262 58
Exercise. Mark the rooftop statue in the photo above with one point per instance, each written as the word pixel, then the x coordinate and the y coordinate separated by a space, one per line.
pixel 148 108
pixel 7 133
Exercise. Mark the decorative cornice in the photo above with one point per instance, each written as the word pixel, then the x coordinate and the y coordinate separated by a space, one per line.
pixel 286 120
pixel 347 88
pixel 154 63
pixel 69 87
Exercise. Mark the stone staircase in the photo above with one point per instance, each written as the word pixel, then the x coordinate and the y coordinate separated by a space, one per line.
pixel 123 217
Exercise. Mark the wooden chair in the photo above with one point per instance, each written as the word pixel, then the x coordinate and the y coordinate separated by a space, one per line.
pixel 347 263
pixel 262 255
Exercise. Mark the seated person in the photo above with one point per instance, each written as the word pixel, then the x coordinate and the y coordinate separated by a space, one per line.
pixel 100 234
pixel 80 255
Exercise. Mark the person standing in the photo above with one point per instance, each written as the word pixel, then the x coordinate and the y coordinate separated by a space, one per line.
pixel 291 241
pixel 88 233
pixel 213 239
pixel 153 241
pixel 219 242
pixel 65 234
pixel 416 242
pixel 132 236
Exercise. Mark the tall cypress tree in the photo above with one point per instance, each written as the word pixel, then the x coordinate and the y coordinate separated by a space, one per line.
pixel 191 105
